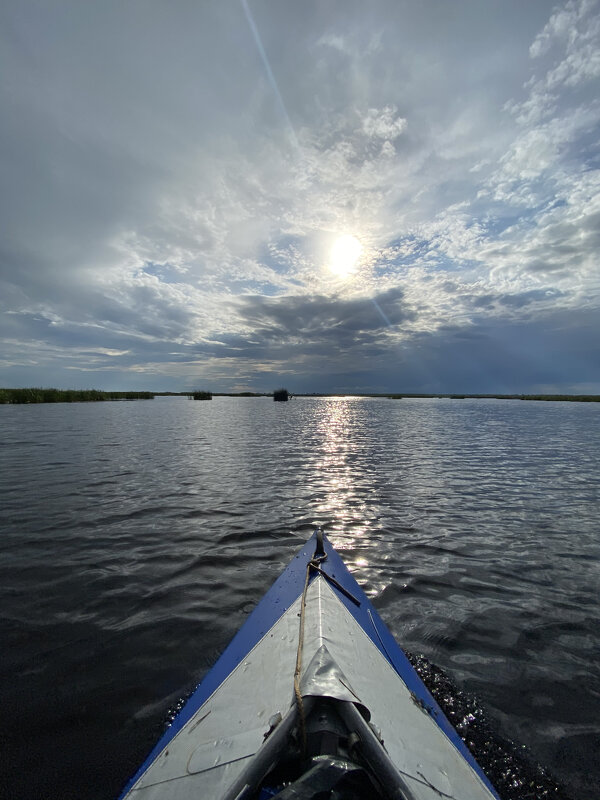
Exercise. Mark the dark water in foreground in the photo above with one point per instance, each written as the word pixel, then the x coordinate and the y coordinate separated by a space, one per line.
pixel 135 538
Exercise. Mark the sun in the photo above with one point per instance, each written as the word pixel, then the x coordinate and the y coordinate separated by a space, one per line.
pixel 344 254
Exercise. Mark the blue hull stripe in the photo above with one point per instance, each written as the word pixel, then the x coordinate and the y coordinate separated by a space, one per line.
pixel 377 631
pixel 284 592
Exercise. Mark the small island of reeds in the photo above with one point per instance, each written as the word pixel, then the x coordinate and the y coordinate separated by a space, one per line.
pixel 281 394
pixel 38 395
pixel 202 395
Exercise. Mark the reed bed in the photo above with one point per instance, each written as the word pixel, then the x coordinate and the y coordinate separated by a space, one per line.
pixel 39 395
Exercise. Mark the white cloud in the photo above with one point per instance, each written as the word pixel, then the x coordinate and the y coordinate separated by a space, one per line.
pixel 334 41
pixel 562 27
pixel 384 123
pixel 571 40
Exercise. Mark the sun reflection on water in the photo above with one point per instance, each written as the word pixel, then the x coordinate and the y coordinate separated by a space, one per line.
pixel 341 508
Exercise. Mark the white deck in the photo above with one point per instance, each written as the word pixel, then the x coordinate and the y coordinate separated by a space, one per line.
pixel 213 747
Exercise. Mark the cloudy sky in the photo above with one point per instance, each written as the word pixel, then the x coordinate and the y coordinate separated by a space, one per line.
pixel 331 196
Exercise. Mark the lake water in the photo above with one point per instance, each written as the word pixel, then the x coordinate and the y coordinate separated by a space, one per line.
pixel 136 537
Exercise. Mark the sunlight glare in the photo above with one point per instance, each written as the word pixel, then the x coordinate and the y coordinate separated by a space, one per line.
pixel 345 253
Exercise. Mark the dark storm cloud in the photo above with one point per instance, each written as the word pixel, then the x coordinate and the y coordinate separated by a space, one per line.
pixel 322 316
pixel 539 355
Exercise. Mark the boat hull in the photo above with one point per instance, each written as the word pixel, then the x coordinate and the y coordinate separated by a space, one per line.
pixel 223 724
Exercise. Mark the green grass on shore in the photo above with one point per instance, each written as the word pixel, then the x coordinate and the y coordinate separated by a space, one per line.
pixel 37 395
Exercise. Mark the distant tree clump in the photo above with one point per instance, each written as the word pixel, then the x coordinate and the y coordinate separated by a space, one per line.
pixel 281 394
pixel 202 395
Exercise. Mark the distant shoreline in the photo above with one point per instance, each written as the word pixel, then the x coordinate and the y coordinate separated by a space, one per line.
pixel 37 395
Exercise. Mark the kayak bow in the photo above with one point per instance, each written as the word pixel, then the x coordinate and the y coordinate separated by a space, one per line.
pixel 312 698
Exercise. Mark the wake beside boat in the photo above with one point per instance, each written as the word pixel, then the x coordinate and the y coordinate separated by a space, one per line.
pixel 312 698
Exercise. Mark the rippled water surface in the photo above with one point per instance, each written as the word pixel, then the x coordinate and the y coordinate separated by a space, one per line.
pixel 136 537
